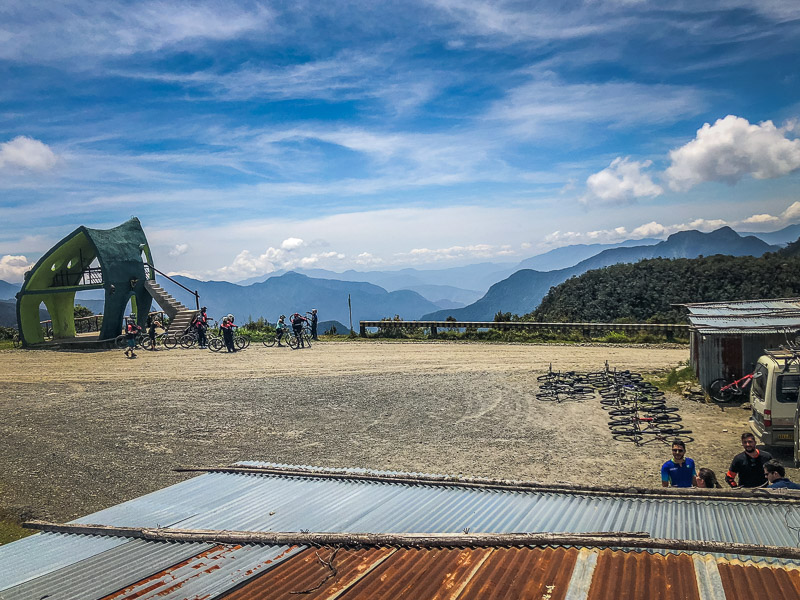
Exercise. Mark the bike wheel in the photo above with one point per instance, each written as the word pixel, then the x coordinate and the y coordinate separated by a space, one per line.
pixel 293 342
pixel 269 343
pixel 215 344
pixel 170 341
pixel 147 344
pixel 630 436
pixel 186 341
pixel 120 341
pixel 717 393
pixel 240 342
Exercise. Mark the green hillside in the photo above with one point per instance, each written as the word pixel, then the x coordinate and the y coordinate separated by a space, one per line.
pixel 644 291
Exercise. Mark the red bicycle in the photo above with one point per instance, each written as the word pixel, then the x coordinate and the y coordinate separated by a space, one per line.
pixel 721 391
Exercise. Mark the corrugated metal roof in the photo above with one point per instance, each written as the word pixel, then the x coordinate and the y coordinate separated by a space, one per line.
pixel 260 502
pixel 766 316
pixel 744 306
pixel 498 573
pixel 104 573
pixel 745 582
pixel 774 323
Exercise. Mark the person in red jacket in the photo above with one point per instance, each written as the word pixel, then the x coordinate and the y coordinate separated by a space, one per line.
pixel 227 333
pixel 131 331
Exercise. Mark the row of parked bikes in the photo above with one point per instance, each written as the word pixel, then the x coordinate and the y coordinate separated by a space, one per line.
pixel 215 343
pixel 637 409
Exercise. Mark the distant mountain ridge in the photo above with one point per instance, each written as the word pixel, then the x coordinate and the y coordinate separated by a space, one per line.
pixel 293 292
pixel 522 292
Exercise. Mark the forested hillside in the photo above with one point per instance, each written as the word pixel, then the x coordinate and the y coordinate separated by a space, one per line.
pixel 643 292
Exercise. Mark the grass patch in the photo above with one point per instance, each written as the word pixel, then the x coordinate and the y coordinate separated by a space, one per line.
pixel 11 532
pixel 674 379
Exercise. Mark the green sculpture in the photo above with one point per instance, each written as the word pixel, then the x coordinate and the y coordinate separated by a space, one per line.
pixel 66 268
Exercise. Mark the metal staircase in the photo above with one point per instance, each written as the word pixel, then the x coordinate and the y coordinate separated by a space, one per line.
pixel 180 317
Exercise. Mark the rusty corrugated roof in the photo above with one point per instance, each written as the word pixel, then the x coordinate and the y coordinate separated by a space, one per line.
pixel 498 573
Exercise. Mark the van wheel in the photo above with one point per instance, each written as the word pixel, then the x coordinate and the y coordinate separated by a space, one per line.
pixel 717 393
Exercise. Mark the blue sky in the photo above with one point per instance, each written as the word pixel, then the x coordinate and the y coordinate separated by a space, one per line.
pixel 255 136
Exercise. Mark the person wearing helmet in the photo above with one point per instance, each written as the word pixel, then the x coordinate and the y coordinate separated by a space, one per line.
pixel 227 334
pixel 201 324
pixel 314 324
pixel 280 329
pixel 132 330
pixel 298 321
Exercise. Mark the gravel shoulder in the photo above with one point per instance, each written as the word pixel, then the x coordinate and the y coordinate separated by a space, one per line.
pixel 86 430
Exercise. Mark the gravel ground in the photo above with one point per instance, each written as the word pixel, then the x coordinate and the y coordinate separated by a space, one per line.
pixel 86 430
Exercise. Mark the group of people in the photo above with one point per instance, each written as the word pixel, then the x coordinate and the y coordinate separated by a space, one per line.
pixel 749 469
pixel 297 322
pixel 227 328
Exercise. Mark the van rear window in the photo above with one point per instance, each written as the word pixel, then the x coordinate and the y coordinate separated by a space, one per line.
pixel 787 388
pixel 760 381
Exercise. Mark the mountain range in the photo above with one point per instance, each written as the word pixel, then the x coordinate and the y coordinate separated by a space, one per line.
pixel 472 292
pixel 523 291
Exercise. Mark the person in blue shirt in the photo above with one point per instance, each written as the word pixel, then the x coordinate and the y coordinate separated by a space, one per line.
pixel 776 476
pixel 679 471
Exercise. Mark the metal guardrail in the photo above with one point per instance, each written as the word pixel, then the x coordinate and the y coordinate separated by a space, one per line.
pixel 668 329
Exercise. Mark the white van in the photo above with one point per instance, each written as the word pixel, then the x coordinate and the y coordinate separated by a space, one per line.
pixel 773 397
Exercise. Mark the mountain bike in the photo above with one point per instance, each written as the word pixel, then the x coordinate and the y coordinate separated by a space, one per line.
pixel 721 391
pixel 271 341
pixel 162 339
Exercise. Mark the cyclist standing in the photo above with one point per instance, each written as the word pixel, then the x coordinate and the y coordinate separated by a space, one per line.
pixel 202 324
pixel 314 319
pixel 227 333
pixel 131 331
pixel 280 328
pixel 152 323
pixel 298 321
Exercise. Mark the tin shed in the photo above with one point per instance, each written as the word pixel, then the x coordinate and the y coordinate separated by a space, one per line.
pixel 726 338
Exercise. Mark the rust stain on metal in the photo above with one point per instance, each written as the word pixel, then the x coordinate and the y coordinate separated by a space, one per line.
pixel 305 570
pixel 523 573
pixel 745 582
pixel 643 576
pixel 469 574
pixel 165 581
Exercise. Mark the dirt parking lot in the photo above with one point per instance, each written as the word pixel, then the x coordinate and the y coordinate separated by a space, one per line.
pixel 85 430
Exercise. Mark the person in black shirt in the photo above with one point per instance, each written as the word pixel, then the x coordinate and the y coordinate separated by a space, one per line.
pixel 748 465
pixel 313 320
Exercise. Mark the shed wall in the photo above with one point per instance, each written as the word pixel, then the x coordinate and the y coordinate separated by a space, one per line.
pixel 729 355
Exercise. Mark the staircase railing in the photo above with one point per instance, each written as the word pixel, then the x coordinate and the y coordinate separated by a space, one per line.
pixel 178 283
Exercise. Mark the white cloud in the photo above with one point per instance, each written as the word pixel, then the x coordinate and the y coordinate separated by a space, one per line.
pixel 761 219
pixel 13 268
pixel 179 250
pixel 548 100
pixel 482 251
pixel 707 224
pixel 621 182
pixel 291 243
pixel 792 213
pixel 729 150
pixel 365 258
pixel 66 29
pixel 27 153
pixel 649 230
pixel 245 264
